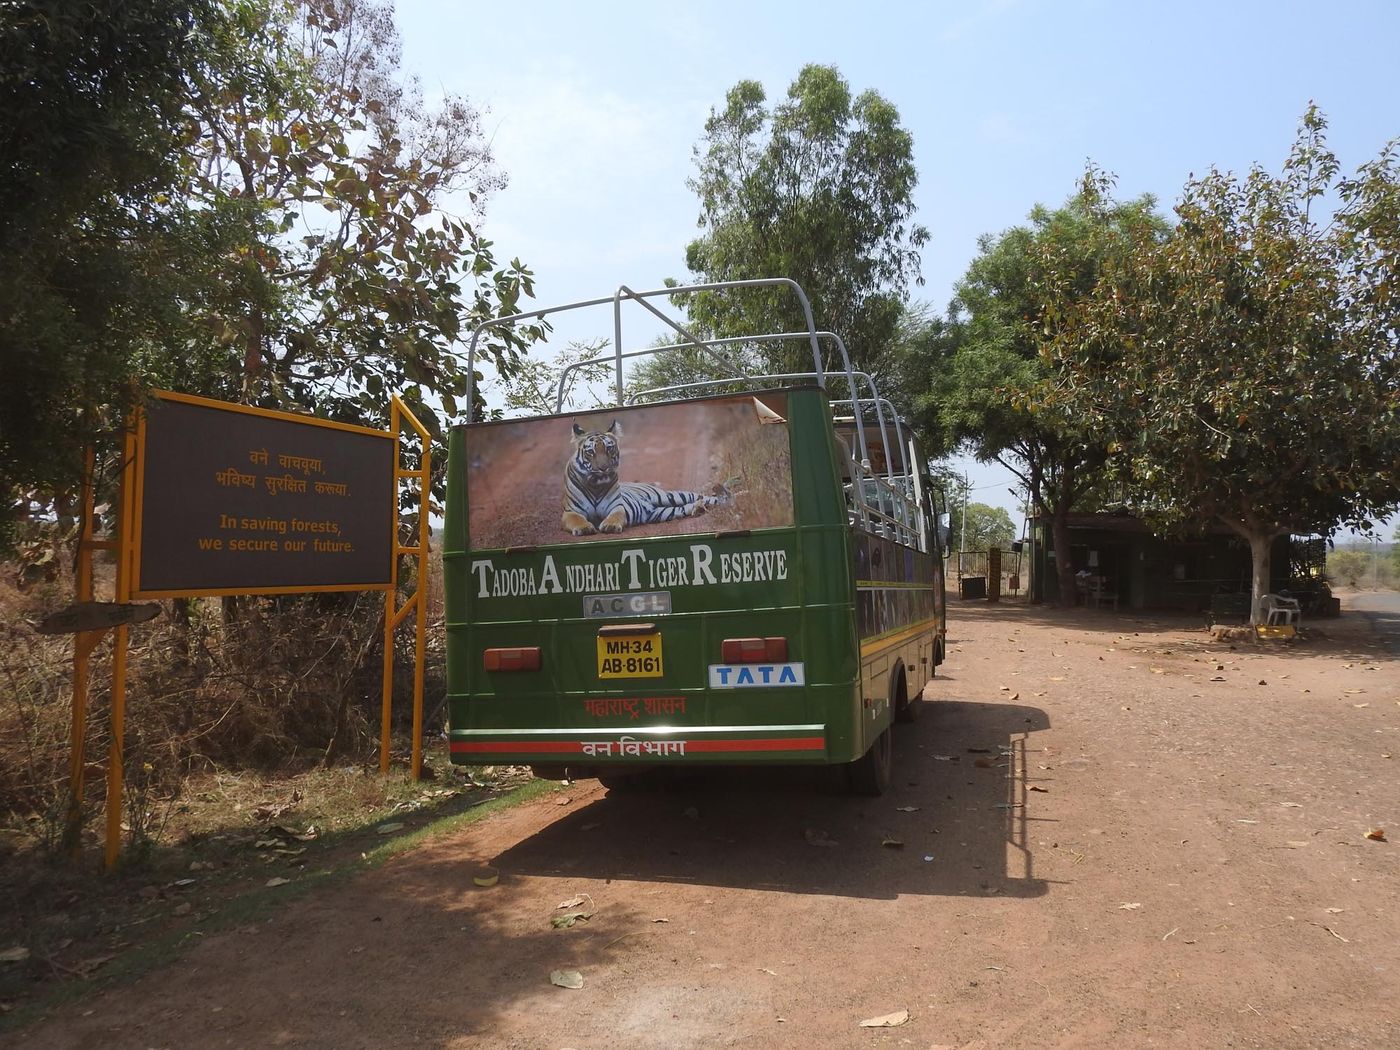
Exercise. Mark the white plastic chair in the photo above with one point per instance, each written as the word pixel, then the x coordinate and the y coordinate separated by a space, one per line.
pixel 1279 610
pixel 1102 593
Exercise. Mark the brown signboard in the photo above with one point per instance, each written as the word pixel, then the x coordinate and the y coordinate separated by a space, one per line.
pixel 238 500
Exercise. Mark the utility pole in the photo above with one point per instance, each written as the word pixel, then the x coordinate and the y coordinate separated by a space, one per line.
pixel 962 536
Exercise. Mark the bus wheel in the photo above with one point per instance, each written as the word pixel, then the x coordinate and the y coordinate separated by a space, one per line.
pixel 906 707
pixel 870 774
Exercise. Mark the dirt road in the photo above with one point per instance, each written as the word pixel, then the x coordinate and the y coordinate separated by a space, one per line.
pixel 1382 608
pixel 1116 833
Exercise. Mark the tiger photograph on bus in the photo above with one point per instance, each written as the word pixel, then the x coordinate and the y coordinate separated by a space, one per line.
pixel 595 500
pixel 707 465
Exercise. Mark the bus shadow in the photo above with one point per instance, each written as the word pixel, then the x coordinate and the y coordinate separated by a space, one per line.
pixel 959 808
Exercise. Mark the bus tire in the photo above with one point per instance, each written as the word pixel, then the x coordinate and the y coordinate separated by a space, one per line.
pixel 906 707
pixel 870 774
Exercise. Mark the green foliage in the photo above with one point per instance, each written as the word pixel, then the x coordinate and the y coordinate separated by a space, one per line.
pixel 533 387
pixel 687 363
pixel 1246 366
pixel 950 493
pixel 1350 567
pixel 93 99
pixel 318 189
pixel 987 527
pixel 985 370
pixel 818 188
pixel 986 367
pixel 244 199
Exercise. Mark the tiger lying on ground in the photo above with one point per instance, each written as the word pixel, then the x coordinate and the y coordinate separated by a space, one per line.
pixel 596 501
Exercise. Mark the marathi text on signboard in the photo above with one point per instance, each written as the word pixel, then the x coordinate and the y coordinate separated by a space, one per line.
pixel 235 500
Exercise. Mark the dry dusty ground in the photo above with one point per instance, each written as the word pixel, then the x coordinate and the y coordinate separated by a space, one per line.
pixel 1163 845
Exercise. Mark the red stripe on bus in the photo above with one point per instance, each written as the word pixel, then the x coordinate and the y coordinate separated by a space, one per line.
pixel 787 743
pixel 549 747
pixel 571 747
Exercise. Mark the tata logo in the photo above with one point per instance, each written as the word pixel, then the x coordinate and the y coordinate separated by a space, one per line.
pixel 745 676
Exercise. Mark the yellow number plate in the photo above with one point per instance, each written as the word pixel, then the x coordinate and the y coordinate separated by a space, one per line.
pixel 629 656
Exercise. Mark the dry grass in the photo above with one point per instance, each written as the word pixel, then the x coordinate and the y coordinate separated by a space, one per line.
pixel 763 469
pixel 216 688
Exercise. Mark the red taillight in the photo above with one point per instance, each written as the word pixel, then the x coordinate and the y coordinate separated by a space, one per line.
pixel 526 659
pixel 754 650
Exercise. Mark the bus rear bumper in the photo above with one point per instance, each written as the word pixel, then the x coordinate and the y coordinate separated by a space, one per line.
pixel 643 746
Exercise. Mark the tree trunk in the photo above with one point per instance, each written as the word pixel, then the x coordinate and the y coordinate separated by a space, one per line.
pixel 1064 564
pixel 1260 547
pixel 252 353
pixel 1260 537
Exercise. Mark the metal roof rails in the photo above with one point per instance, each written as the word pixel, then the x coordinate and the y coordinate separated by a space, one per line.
pixel 625 293
pixel 848 373
pixel 885 488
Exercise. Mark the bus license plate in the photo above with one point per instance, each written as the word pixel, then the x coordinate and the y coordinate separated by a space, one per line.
pixel 630 656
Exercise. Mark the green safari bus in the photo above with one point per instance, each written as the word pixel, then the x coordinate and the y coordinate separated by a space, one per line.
pixel 734 571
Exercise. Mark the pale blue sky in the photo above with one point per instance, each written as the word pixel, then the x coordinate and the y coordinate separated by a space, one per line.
pixel 594 109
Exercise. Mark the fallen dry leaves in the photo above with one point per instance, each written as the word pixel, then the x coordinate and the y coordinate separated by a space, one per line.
pixel 893 1020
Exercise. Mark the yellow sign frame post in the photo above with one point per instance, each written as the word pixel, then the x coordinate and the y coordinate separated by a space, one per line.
pixel 126 547
pixel 399 414
pixel 84 643
pixel 84 621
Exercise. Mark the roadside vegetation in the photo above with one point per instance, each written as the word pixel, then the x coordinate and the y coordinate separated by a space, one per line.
pixel 1367 565
pixel 249 200
pixel 1210 369
pixel 252 200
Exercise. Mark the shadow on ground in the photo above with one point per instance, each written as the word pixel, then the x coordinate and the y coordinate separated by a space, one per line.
pixel 963 826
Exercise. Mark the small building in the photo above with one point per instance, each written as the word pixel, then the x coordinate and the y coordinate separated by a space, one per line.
pixel 1121 563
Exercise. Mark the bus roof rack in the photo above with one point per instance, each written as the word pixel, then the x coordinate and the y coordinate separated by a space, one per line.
pixel 887 511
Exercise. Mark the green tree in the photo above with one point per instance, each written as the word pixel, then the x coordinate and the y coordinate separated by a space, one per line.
pixel 985 369
pixel 924 344
pixel 1246 366
pixel 321 190
pixel 244 199
pixel 987 527
pixel 1349 566
pixel 533 387
pixel 93 101
pixel 688 363
pixel 819 188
